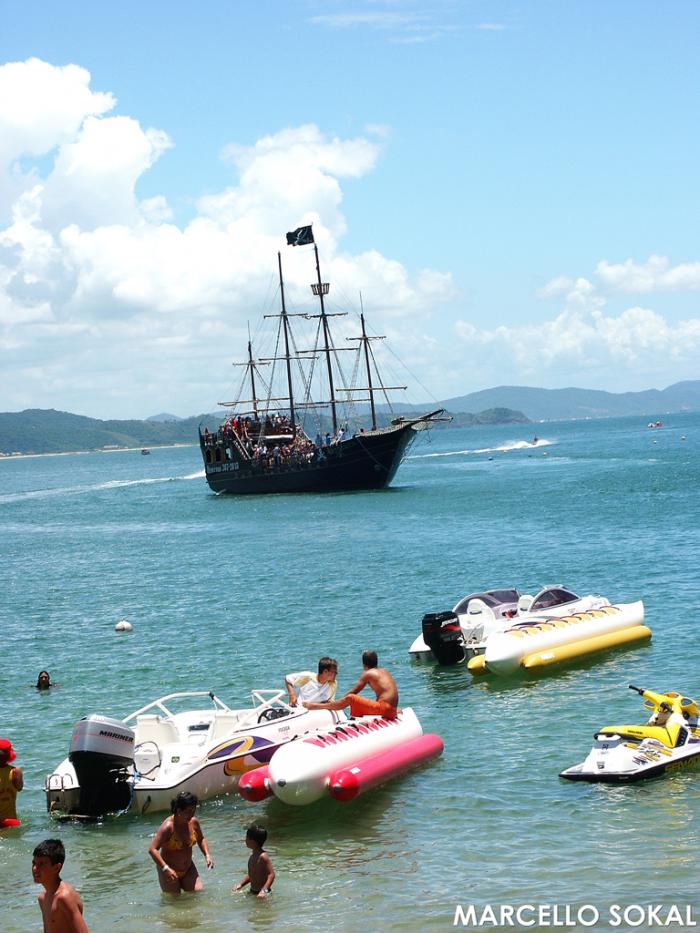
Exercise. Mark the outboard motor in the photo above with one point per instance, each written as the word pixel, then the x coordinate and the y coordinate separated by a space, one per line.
pixel 102 753
pixel 443 635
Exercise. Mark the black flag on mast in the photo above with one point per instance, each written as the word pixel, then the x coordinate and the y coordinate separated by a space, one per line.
pixel 300 237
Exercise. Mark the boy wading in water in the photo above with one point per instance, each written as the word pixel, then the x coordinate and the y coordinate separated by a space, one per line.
pixel 261 874
pixel 61 905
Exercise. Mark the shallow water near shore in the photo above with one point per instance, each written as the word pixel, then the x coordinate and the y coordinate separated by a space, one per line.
pixel 228 594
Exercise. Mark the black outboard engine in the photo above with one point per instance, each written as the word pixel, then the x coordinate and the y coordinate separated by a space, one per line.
pixel 443 635
pixel 102 753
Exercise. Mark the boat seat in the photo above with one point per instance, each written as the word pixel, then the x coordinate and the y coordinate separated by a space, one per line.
pixel 477 607
pixel 666 735
pixel 153 728
pixel 224 725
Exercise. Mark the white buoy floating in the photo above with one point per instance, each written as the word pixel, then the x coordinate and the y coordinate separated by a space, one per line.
pixel 123 626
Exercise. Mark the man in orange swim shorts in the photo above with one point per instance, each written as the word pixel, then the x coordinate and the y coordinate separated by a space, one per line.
pixel 383 684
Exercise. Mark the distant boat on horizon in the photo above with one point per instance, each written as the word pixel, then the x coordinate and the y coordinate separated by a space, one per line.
pixel 264 447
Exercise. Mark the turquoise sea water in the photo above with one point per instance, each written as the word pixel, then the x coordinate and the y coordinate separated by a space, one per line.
pixel 229 594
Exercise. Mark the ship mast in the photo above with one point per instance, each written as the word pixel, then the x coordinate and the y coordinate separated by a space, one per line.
pixel 251 367
pixel 285 324
pixel 365 343
pixel 321 288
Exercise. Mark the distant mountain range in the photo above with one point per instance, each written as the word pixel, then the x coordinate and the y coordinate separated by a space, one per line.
pixel 567 404
pixel 50 431
pixel 164 416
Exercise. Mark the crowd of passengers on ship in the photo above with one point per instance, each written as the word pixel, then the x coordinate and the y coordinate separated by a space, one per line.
pixel 249 435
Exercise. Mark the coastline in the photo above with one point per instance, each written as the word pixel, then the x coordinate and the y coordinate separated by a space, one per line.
pixel 17 455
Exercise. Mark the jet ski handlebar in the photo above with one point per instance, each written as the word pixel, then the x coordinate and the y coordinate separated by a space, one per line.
pixel 655 698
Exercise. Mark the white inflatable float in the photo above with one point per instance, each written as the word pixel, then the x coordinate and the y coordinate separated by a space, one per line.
pixel 537 643
pixel 355 756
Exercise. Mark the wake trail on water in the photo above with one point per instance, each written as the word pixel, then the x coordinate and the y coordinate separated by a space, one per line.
pixel 96 487
pixel 502 448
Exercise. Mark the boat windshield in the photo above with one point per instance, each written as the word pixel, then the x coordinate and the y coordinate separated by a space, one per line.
pixel 552 596
pixel 492 598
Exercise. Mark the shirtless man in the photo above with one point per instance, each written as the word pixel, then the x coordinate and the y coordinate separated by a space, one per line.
pixel 385 690
pixel 61 905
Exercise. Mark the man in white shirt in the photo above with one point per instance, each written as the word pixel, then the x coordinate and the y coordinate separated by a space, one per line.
pixel 307 687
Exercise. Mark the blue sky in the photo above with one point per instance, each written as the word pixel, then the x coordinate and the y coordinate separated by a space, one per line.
pixel 513 187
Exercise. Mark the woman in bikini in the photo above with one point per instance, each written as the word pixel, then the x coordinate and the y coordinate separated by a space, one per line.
pixel 172 847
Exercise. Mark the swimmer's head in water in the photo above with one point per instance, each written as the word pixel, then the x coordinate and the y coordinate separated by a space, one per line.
pixel 43 680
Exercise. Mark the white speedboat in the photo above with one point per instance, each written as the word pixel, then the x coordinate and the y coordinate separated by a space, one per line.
pixel 669 740
pixel 141 762
pixel 453 636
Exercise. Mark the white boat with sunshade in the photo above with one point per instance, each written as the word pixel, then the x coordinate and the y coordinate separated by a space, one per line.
pixel 451 636
pixel 141 762
pixel 501 630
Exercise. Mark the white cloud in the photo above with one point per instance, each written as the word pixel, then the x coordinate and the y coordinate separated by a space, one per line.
pixel 94 176
pixel 105 301
pixel 556 287
pixel 375 19
pixel 585 347
pixel 640 342
pixel 656 274
pixel 42 106
pixel 401 27
pixel 109 307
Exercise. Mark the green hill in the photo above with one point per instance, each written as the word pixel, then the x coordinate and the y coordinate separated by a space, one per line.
pixel 41 431
pixel 48 431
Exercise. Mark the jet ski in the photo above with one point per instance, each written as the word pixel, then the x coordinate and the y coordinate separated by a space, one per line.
pixel 141 762
pixel 669 740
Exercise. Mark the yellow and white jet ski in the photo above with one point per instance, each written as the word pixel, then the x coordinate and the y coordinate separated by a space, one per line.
pixel 669 740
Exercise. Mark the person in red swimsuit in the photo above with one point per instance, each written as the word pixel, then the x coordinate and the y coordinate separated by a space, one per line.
pixel 172 847
pixel 385 690
pixel 11 783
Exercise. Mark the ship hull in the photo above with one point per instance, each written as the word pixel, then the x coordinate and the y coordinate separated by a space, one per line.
pixel 365 461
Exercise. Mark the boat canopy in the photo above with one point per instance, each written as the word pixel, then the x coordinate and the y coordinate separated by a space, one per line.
pixel 492 598
pixel 552 596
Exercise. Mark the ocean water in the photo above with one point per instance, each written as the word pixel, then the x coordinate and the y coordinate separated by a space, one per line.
pixel 228 594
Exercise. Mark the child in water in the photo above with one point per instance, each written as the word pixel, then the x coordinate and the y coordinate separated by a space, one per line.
pixel 61 905
pixel 261 874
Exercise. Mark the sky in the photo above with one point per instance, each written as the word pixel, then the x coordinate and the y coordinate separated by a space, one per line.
pixel 512 188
